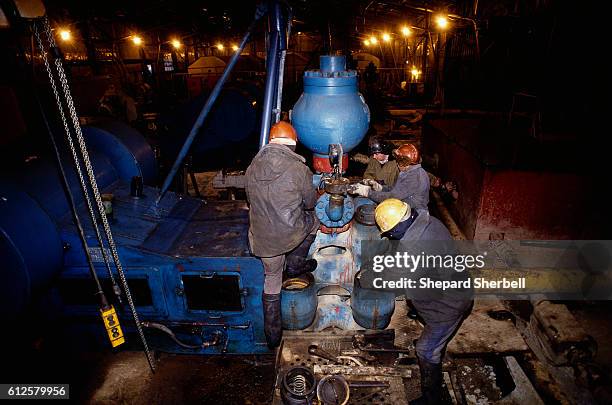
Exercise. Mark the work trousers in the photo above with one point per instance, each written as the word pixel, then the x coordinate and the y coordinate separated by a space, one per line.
pixel 434 338
pixel 274 266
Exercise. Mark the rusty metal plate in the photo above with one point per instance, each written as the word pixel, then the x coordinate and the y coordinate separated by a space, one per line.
pixel 294 352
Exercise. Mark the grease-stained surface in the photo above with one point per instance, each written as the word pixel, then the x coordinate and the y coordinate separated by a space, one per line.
pixel 184 379
pixel 487 330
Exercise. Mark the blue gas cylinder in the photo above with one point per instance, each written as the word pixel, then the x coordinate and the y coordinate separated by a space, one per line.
pixel 331 110
pixel 372 309
pixel 298 302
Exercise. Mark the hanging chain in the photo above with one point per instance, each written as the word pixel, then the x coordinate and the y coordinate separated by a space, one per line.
pixel 90 173
pixel 75 157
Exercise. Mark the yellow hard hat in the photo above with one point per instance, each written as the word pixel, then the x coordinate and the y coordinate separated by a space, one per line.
pixel 390 212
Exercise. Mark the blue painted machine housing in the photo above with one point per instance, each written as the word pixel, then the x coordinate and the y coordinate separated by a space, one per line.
pixel 187 263
pixel 30 248
pixel 129 151
pixel 170 248
pixel 331 110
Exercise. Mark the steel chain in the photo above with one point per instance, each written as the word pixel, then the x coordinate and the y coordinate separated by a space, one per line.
pixel 92 180
pixel 75 158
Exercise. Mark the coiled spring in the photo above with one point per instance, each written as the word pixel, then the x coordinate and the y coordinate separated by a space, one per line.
pixel 298 384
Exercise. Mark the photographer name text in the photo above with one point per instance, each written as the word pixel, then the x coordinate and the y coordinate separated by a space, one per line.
pixel 429 283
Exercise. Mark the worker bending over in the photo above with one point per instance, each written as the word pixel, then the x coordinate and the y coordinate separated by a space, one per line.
pixel 444 313
pixel 282 224
pixel 380 169
pixel 412 185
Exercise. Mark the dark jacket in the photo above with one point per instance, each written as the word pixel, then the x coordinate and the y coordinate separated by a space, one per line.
pixel 280 190
pixel 385 174
pixel 452 304
pixel 412 187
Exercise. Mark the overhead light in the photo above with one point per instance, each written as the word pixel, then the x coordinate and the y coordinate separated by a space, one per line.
pixel 136 40
pixel 373 40
pixel 386 37
pixel 65 35
pixel 220 46
pixel 406 31
pixel 366 42
pixel 176 44
pixel 234 48
pixel 442 22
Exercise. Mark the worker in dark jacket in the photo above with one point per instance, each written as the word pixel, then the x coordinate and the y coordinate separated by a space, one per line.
pixel 281 195
pixel 444 313
pixel 380 169
pixel 412 185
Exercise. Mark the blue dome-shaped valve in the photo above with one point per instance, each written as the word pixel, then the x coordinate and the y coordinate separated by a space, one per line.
pixel 331 110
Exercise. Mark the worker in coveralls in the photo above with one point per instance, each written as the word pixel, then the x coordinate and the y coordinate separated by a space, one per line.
pixel 412 185
pixel 442 312
pixel 282 223
pixel 380 169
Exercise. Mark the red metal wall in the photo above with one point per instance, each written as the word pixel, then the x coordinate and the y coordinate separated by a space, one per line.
pixel 532 205
pixel 494 199
pixel 457 164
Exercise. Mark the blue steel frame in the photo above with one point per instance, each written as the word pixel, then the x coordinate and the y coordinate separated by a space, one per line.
pixel 155 242
pixel 163 265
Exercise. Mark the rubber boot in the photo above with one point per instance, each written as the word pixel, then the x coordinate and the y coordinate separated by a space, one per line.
pixel 431 384
pixel 296 266
pixel 272 319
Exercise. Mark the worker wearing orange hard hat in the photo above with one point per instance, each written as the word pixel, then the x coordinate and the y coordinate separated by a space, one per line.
pixel 282 222
pixel 412 185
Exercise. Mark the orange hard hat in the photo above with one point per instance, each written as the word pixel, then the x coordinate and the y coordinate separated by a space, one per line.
pixel 283 133
pixel 407 154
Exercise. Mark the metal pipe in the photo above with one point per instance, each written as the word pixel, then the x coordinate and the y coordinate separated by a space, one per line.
pixel 163 328
pixel 369 384
pixel 206 109
pixel 447 218
pixel 424 52
pixel 271 74
pixel 281 69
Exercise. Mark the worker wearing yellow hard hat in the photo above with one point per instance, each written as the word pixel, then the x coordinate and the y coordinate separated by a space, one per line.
pixel 441 313
pixel 390 212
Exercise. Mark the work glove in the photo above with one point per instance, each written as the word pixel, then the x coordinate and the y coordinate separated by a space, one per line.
pixel 376 186
pixel 360 189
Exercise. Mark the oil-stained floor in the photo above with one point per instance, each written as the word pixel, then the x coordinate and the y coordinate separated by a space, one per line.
pixel 124 377
pixel 185 379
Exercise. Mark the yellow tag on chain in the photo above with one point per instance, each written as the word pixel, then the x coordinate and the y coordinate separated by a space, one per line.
pixel 111 322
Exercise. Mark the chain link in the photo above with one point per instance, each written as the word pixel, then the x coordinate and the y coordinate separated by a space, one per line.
pixel 90 173
pixel 75 157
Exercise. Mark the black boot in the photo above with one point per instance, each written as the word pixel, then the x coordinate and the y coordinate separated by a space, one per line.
pixel 297 266
pixel 431 384
pixel 272 319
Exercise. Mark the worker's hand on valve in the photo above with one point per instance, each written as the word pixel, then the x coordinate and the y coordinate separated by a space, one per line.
pixel 360 189
pixel 376 186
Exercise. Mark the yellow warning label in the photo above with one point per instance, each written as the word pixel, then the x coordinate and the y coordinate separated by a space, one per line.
pixel 111 322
